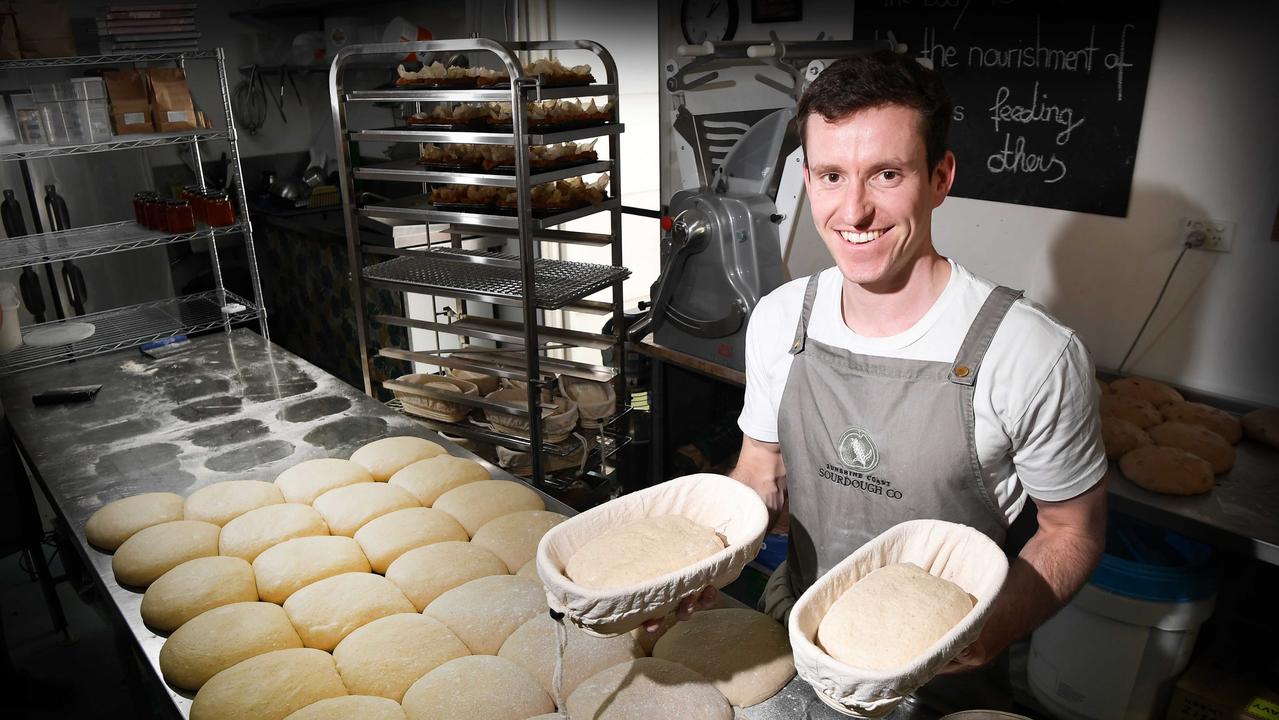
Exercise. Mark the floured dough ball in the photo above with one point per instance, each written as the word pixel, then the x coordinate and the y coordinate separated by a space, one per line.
pixel 1197 440
pixel 351 707
pixel 484 612
pixel 746 654
pixel 890 616
pixel 195 586
pixel 1216 420
pixel 389 654
pixel 1121 437
pixel 383 458
pixel 117 521
pixel 269 686
pixel 328 610
pixel 308 480
pixel 1133 409
pixel 478 687
pixel 648 689
pixel 386 538
pixel 514 537
pixel 222 502
pixel 156 550
pixel 219 638
pixel 648 639
pixel 256 530
pixel 428 479
pixel 346 509
pixel 475 504
pixel 1263 426
pixel 529 570
pixel 1168 470
pixel 293 564
pixel 1152 391
pixel 641 550
pixel 428 572
pixel 534 647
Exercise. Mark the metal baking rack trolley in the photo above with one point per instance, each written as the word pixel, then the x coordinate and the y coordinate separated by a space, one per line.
pixel 523 280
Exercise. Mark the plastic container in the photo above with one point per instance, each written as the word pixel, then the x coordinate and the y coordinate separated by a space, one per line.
pixel 10 325
pixel 27 115
pixel 1141 612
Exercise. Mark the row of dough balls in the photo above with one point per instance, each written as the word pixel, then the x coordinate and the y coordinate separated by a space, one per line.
pixel 1166 444
pixel 381 646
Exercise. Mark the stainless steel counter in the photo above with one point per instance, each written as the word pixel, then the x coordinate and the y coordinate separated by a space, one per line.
pixel 233 407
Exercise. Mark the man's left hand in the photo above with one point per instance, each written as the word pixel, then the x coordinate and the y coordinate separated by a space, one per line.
pixel 968 659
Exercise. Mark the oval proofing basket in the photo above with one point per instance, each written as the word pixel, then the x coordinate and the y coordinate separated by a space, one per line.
pixel 715 501
pixel 950 551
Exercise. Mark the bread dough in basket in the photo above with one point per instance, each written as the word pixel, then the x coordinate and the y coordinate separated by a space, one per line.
pixel 642 550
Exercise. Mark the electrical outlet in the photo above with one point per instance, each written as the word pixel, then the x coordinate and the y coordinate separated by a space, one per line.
pixel 1218 235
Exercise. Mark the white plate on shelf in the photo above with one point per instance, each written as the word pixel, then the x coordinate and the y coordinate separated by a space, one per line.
pixel 60 334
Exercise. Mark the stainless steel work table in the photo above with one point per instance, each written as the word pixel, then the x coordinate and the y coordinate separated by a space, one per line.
pixel 232 407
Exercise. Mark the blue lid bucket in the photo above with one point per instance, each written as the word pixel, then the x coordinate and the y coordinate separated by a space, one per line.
pixel 1146 562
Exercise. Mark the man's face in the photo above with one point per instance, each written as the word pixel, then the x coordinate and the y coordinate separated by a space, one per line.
pixel 872 192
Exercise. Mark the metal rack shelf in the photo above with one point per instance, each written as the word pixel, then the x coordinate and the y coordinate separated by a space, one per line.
pixel 418 208
pixel 122 58
pixel 502 363
pixel 95 240
pixel 569 237
pixel 124 142
pixel 411 171
pixel 504 330
pixel 533 92
pixel 493 278
pixel 133 325
pixel 409 135
pixel 484 434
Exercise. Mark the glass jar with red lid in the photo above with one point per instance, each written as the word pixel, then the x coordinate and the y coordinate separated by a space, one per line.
pixel 217 209
pixel 179 217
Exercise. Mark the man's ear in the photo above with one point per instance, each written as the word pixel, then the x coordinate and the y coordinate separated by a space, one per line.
pixel 943 178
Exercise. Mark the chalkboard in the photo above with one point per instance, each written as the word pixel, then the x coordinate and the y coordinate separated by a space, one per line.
pixel 1048 94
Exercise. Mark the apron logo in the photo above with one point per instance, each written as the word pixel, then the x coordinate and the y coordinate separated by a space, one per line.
pixel 857 451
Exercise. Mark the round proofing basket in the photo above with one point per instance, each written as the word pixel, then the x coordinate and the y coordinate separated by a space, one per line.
pixel 435 408
pixel 950 551
pixel 596 401
pixel 485 383
pixel 728 507
pixel 557 424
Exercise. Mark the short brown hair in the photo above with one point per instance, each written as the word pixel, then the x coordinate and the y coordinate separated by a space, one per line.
pixel 880 78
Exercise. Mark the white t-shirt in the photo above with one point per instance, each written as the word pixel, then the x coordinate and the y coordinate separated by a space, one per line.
pixel 1035 400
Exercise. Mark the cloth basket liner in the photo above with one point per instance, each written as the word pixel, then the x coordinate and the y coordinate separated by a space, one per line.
pixel 953 552
pixel 596 401
pixel 557 424
pixel 445 410
pixel 730 508
pixel 484 382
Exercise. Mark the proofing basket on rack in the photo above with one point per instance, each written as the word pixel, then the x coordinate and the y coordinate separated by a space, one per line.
pixel 557 424
pixel 485 382
pixel 596 401
pixel 721 503
pixel 953 552
pixel 436 408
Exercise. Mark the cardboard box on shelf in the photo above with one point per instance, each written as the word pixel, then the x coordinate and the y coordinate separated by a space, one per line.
pixel 1209 692
pixel 130 106
pixel 171 104
pixel 44 28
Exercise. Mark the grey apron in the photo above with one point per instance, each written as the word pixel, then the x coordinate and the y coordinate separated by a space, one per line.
pixel 869 442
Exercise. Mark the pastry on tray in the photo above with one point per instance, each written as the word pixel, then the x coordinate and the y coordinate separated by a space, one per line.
pixel 452 117
pixel 547 198
pixel 551 73
pixel 436 75
pixel 501 158
pixel 554 114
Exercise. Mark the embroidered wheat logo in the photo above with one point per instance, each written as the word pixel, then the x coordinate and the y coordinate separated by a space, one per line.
pixel 857 451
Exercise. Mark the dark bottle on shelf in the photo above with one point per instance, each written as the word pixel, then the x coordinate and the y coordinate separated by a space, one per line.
pixel 11 212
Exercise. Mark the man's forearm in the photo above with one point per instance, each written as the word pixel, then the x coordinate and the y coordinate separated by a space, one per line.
pixel 760 467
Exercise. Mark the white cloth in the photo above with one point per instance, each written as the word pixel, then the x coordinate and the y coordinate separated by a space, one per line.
pixel 1037 425
pixel 714 501
pixel 952 552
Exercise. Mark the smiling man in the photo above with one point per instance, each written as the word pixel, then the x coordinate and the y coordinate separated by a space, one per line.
pixel 897 385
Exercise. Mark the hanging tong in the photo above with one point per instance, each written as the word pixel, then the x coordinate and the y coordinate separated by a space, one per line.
pixel 279 101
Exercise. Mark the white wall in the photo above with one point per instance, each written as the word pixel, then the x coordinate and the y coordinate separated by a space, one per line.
pixel 1208 147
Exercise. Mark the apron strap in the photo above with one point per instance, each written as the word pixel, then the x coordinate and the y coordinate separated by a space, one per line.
pixel 801 327
pixel 963 371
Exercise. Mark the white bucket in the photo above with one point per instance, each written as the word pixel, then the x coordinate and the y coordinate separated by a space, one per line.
pixel 10 325
pixel 1109 655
